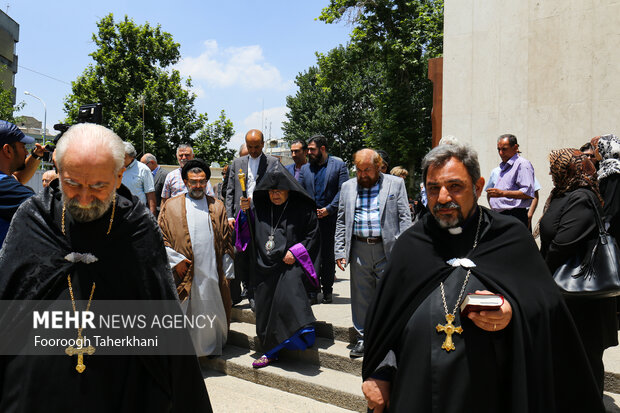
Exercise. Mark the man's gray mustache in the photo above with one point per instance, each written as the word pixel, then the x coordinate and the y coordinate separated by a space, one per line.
pixel 448 205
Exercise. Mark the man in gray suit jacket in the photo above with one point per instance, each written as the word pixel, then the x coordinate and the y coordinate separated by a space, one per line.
pixel 254 166
pixel 373 211
pixel 159 176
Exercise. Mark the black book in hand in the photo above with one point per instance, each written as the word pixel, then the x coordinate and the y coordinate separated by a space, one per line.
pixel 481 302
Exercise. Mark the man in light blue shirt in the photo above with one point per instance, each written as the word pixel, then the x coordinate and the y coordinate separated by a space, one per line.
pixel 537 187
pixel 514 189
pixel 138 178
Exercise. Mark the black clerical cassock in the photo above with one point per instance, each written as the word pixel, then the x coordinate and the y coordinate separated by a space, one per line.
pixel 132 265
pixel 535 364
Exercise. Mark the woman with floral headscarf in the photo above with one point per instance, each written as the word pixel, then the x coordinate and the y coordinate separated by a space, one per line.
pixel 569 227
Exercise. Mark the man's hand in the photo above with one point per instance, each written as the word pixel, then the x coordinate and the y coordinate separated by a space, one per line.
pixel 39 149
pixel 31 165
pixel 152 202
pixel 245 204
pixel 289 258
pixel 322 213
pixel 231 223
pixel 495 193
pixel 341 263
pixel 377 393
pixel 181 269
pixel 492 320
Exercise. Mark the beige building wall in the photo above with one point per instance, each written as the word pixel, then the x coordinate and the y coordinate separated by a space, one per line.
pixel 547 71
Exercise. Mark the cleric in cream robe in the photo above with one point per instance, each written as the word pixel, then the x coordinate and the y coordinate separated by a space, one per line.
pixel 94 216
pixel 284 248
pixel 198 244
pixel 421 355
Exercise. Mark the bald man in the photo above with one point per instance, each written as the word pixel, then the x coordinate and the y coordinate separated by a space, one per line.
pixel 254 165
pixel 373 211
pixel 48 177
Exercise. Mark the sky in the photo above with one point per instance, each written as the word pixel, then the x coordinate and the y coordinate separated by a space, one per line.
pixel 242 55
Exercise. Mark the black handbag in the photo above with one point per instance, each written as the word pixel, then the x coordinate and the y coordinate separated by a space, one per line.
pixel 595 274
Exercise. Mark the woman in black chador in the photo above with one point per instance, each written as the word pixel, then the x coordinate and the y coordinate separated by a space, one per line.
pixel 285 245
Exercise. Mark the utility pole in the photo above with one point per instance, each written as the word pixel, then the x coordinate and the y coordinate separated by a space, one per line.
pixel 142 103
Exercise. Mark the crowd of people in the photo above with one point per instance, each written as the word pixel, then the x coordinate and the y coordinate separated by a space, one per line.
pixel 274 235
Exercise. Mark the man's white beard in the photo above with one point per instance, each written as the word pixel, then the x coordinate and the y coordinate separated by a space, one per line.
pixel 95 210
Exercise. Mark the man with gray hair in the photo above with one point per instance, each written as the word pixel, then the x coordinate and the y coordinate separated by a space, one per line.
pixel 425 351
pixel 174 184
pixel 243 150
pixel 138 178
pixel 159 176
pixel 86 239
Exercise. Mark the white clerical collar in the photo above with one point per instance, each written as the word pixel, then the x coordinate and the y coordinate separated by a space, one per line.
pixel 455 230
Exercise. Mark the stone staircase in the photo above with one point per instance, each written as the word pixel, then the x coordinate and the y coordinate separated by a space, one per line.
pixel 324 373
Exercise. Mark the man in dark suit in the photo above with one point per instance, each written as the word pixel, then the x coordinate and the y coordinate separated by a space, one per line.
pixel 159 176
pixel 322 178
pixel 299 153
pixel 254 166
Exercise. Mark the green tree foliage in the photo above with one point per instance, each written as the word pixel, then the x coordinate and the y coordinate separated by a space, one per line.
pixel 7 107
pixel 132 65
pixel 339 110
pixel 212 139
pixel 387 57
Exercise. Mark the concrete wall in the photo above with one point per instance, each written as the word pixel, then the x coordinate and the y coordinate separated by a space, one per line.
pixel 547 71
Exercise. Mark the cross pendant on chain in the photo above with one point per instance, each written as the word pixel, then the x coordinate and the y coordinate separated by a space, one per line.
pixel 448 329
pixel 80 351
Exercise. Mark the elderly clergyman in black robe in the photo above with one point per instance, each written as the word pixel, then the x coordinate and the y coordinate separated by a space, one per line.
pixel 49 254
pixel 524 357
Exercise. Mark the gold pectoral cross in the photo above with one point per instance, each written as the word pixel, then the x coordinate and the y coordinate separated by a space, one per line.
pixel 71 351
pixel 449 329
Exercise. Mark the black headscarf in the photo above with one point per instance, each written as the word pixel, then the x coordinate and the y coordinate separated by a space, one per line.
pixel 279 178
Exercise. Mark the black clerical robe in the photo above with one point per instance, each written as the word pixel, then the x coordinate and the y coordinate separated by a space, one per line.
pixel 282 307
pixel 536 364
pixel 132 265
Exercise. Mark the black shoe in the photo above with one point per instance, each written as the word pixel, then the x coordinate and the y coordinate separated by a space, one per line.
pixel 312 299
pixel 327 298
pixel 358 350
pixel 252 305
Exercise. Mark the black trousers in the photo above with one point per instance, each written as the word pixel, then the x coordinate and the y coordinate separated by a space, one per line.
pixel 327 272
pixel 242 275
pixel 519 213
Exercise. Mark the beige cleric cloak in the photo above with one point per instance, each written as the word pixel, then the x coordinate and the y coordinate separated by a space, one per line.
pixel 173 223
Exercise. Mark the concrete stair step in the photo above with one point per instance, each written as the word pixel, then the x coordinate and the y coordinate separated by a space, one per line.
pixel 321 384
pixel 328 353
pixel 243 314
pixel 611 360
pixel 231 394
